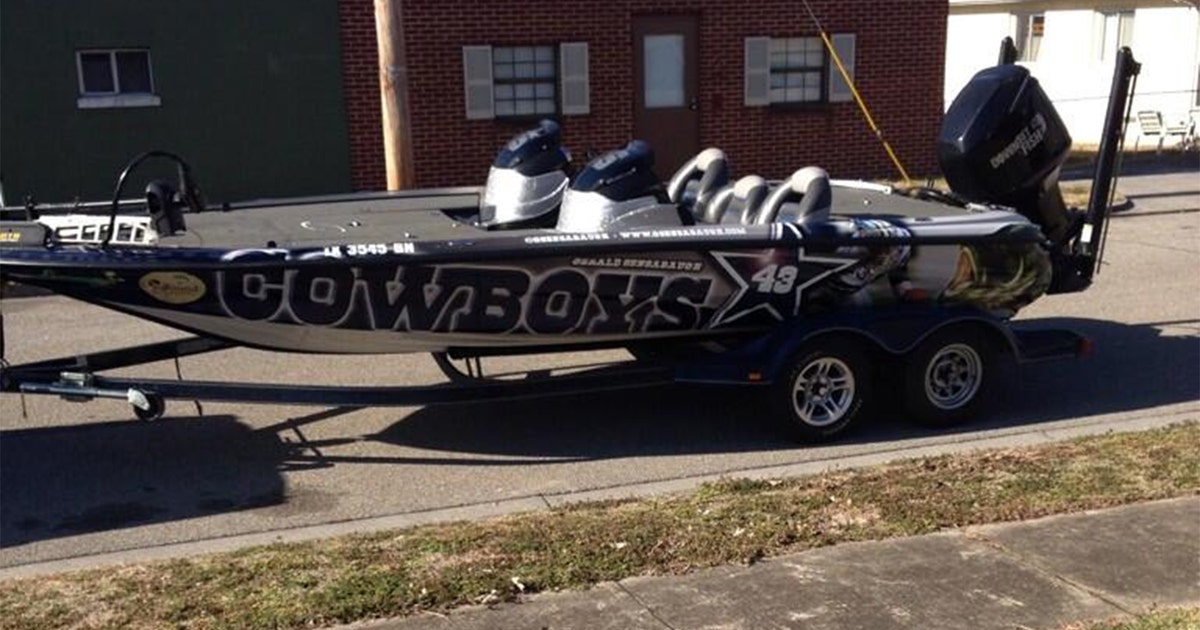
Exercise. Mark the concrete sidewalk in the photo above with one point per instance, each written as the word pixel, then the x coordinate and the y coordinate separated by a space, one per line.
pixel 1035 574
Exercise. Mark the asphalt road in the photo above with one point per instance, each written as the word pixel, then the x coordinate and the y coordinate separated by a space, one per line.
pixel 84 484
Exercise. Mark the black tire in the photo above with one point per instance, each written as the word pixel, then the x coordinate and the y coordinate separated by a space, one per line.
pixel 157 407
pixel 949 376
pixel 825 392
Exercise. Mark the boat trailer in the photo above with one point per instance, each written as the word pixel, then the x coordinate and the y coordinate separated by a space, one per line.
pixel 964 343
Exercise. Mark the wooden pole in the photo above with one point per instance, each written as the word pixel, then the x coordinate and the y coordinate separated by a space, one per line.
pixel 393 93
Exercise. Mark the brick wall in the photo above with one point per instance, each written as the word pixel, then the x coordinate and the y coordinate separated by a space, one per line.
pixel 360 76
pixel 899 71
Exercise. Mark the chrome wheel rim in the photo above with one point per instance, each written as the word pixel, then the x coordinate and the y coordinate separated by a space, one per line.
pixel 822 392
pixel 953 376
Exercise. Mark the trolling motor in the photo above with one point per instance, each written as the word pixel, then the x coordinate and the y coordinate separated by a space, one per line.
pixel 164 202
pixel 1002 142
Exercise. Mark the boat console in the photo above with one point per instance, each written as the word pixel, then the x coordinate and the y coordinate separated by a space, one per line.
pixel 619 190
pixel 526 182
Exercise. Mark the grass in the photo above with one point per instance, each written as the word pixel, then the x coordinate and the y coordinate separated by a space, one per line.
pixel 1183 619
pixel 438 567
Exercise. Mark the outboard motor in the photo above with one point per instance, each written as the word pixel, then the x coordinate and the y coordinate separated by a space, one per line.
pixel 619 190
pixel 527 180
pixel 1003 142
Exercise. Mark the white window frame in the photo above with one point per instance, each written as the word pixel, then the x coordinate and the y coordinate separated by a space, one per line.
pixel 116 98
pixel 1102 22
pixel 571 72
pixel 757 72
pixel 822 69
pixel 554 79
pixel 1023 34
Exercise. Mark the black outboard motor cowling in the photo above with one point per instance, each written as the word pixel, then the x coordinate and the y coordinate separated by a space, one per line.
pixel 1003 142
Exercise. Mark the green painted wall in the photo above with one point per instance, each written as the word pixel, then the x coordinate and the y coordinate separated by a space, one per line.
pixel 251 96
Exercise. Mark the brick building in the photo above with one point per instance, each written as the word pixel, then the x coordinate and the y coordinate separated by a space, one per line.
pixel 750 77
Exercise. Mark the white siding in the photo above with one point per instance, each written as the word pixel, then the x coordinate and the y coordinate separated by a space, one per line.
pixel 1166 40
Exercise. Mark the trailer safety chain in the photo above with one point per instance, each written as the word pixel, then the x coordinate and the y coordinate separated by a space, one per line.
pixel 837 61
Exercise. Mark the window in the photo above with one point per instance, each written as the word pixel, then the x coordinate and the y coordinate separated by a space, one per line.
pixel 797 70
pixel 662 71
pixel 1030 28
pixel 1116 30
pixel 786 70
pixel 525 81
pixel 115 78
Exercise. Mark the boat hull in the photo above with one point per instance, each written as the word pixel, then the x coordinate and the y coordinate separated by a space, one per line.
pixel 542 288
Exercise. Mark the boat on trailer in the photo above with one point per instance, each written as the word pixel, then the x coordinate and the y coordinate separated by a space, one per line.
pixel 806 284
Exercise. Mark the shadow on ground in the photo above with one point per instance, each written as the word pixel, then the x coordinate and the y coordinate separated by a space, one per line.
pixel 72 480
pixel 1135 367
pixel 1135 164
pixel 64 481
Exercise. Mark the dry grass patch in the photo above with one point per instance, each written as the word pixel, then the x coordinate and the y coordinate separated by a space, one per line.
pixel 734 521
pixel 1183 619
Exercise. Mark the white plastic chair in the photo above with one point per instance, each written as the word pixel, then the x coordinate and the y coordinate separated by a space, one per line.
pixel 1151 124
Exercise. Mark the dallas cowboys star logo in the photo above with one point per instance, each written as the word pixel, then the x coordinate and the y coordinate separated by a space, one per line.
pixel 771 284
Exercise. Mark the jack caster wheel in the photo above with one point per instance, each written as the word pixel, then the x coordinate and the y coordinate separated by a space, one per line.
pixel 948 377
pixel 825 392
pixel 155 410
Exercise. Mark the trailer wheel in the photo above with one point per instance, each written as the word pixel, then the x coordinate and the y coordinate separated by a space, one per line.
pixel 947 377
pixel 154 412
pixel 825 392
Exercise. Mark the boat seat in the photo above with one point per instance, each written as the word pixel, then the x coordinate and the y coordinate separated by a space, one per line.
pixel 738 203
pixel 804 198
pixel 698 180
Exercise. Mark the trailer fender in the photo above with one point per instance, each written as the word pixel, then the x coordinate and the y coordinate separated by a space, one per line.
pixel 893 333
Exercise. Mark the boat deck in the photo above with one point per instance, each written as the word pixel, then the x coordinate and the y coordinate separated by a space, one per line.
pixel 424 215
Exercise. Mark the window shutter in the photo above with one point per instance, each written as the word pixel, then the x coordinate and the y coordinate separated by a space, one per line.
pixel 839 90
pixel 573 71
pixel 477 82
pixel 758 71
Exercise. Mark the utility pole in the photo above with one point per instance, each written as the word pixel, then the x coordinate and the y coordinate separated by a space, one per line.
pixel 393 93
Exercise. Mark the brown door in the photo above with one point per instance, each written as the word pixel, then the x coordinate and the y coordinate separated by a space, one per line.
pixel 665 111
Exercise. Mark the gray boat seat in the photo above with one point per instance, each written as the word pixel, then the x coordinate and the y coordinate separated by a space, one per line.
pixel 805 197
pixel 694 184
pixel 738 203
